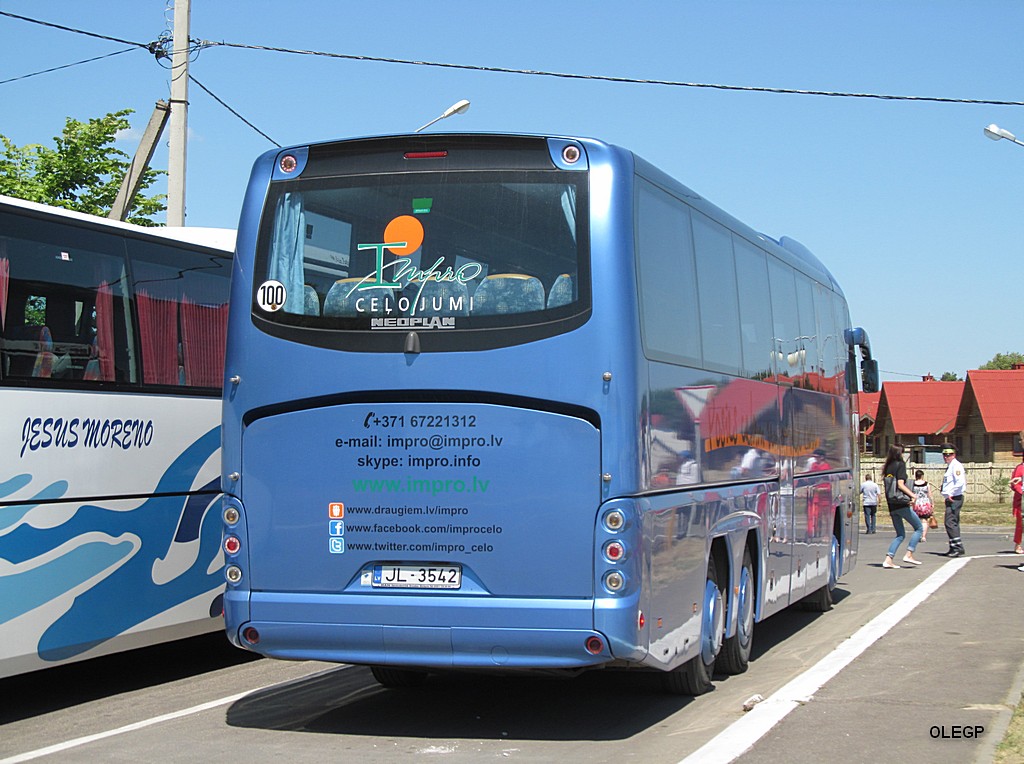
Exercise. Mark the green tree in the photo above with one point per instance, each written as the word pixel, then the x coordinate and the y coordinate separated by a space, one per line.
pixel 1004 361
pixel 949 376
pixel 82 172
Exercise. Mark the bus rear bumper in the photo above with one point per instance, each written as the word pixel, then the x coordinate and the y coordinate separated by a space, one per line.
pixel 502 634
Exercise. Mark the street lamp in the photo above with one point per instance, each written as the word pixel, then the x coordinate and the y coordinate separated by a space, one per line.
pixel 456 108
pixel 996 133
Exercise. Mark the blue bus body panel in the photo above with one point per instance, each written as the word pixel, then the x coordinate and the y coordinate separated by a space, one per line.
pixel 482 486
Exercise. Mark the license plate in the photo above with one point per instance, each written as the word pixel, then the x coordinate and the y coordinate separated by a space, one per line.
pixel 417 576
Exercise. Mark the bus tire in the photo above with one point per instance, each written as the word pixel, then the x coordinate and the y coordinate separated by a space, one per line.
pixel 694 676
pixel 821 601
pixel 735 655
pixel 398 678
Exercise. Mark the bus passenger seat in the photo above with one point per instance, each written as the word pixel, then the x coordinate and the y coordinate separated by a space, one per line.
pixel 45 358
pixel 502 293
pixel 561 291
pixel 437 298
pixel 344 301
pixel 311 307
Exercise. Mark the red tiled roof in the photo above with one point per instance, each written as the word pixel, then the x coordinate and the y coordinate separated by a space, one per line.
pixel 867 404
pixel 919 408
pixel 1000 397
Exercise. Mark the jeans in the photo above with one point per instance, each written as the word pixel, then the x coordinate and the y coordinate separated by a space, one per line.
pixel 898 516
pixel 870 513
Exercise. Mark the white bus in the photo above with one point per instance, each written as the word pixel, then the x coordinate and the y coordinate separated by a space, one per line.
pixel 111 362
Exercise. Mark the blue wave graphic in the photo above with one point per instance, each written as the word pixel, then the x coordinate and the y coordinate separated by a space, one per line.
pixel 129 595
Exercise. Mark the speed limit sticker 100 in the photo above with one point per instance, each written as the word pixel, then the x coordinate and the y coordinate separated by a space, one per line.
pixel 271 296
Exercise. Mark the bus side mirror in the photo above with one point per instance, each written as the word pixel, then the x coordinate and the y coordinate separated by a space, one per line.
pixel 869 375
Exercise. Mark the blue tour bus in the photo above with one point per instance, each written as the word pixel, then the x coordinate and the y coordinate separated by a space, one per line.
pixel 525 402
pixel 111 363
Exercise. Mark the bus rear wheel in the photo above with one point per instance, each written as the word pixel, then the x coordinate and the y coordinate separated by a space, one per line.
pixel 398 678
pixel 694 676
pixel 735 655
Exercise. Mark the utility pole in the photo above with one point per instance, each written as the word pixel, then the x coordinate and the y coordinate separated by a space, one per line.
pixel 179 115
pixel 143 156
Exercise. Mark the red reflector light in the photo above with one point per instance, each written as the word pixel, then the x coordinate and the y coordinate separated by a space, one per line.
pixel 594 645
pixel 251 636
pixel 426 154
pixel 232 545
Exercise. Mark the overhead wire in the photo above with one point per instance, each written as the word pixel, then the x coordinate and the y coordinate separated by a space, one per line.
pixel 68 66
pixel 609 78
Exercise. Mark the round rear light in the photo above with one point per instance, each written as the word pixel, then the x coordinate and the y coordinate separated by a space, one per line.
pixel 288 163
pixel 232 545
pixel 251 635
pixel 571 154
pixel 233 574
pixel 614 551
pixel 614 520
pixel 231 515
pixel 594 645
pixel 614 581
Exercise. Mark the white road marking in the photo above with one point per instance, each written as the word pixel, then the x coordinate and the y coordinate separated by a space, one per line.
pixel 80 741
pixel 741 735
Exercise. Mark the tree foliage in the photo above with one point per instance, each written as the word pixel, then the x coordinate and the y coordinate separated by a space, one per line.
pixel 1004 361
pixel 949 376
pixel 82 172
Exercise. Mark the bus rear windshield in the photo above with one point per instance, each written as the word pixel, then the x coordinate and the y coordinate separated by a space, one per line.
pixel 453 253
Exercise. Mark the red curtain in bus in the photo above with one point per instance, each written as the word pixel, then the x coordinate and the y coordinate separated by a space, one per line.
pixel 158 325
pixel 204 340
pixel 105 332
pixel 5 280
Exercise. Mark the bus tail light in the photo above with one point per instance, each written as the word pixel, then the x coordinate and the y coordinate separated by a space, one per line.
pixel 251 635
pixel 614 520
pixel 614 581
pixel 233 574
pixel 232 545
pixel 614 551
pixel 594 645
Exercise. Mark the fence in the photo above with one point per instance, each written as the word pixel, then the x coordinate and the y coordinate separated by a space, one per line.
pixel 986 482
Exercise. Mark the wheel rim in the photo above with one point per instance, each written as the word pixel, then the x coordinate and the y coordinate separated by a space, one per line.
pixel 713 625
pixel 745 626
pixel 833 564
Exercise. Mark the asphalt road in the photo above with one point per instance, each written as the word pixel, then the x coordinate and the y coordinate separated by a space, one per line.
pixel 913 690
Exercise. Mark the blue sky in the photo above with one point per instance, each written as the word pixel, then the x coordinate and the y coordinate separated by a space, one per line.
pixel 916 213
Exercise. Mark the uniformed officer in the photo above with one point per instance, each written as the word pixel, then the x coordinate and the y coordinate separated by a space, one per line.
pixel 953 483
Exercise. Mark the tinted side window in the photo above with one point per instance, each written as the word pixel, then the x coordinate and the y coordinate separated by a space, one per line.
pixel 66 316
pixel 755 308
pixel 181 297
pixel 668 287
pixel 785 319
pixel 719 305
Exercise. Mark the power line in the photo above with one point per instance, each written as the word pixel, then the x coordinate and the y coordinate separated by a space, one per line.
pixel 221 102
pixel 72 29
pixel 68 66
pixel 154 47
pixel 609 78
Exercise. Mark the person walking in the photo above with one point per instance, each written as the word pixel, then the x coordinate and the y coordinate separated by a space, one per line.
pixel 954 481
pixel 923 506
pixel 899 498
pixel 869 500
pixel 1017 486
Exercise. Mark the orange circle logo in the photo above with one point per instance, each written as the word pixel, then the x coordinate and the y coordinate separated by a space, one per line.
pixel 404 228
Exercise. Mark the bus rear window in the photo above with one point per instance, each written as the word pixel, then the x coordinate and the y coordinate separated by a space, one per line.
pixel 425 252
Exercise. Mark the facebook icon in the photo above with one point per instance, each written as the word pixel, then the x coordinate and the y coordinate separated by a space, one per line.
pixel 337 527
